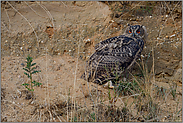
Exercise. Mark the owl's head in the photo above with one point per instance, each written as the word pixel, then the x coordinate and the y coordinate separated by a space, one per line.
pixel 136 31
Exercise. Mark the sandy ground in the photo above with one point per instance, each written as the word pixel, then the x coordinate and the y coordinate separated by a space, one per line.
pixel 62 65
pixel 61 82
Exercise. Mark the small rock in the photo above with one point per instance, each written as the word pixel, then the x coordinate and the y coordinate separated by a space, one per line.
pixel 172 35
pixel 32 102
pixel 22 64
pixel 87 40
pixel 19 76
pixel 28 96
pixel 71 61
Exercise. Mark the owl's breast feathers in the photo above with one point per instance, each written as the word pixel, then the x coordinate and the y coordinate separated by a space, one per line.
pixel 114 53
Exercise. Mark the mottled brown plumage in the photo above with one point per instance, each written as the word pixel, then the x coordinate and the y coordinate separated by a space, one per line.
pixel 115 55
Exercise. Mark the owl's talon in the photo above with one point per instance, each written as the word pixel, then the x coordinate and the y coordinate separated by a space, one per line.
pixel 108 85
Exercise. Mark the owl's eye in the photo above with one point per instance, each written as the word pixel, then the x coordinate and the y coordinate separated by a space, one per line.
pixel 138 31
pixel 130 31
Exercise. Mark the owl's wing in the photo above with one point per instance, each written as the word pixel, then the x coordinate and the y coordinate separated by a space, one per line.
pixel 107 42
pixel 120 49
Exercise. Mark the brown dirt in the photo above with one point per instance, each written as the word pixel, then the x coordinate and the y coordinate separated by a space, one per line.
pixel 67 33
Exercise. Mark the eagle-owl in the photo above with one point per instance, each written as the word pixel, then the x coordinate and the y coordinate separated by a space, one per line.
pixel 115 55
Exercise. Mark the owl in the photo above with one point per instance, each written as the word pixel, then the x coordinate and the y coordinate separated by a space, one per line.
pixel 114 56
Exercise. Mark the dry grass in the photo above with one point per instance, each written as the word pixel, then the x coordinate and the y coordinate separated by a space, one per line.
pixel 139 98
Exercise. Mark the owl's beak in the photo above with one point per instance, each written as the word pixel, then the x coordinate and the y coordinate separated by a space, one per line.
pixel 134 35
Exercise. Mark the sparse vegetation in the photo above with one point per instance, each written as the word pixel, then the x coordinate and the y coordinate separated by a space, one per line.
pixel 30 70
pixel 173 89
pixel 145 96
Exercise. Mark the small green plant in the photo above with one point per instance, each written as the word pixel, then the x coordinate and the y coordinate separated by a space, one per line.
pixel 160 92
pixel 75 119
pixel 173 89
pixel 93 116
pixel 29 71
pixel 129 87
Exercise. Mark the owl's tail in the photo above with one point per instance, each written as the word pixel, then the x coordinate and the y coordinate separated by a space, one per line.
pixel 99 78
